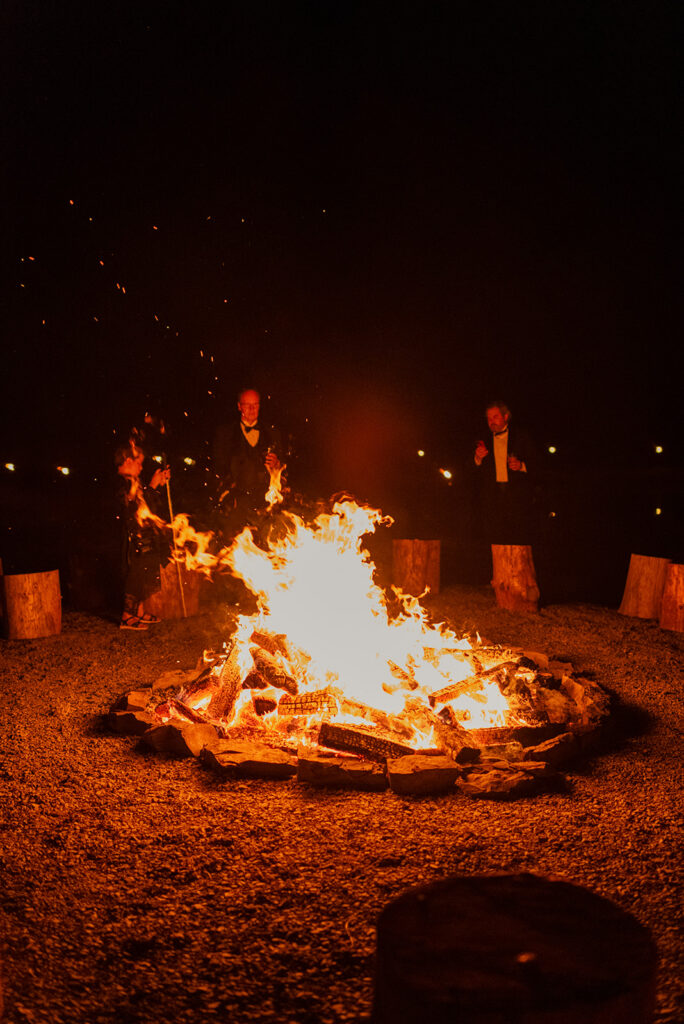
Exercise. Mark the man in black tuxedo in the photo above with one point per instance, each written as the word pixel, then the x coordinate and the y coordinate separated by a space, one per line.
pixel 244 453
pixel 506 469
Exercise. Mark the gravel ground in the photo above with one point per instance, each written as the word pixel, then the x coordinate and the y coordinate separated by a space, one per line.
pixel 137 888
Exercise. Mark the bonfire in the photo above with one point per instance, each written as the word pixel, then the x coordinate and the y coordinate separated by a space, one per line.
pixel 336 679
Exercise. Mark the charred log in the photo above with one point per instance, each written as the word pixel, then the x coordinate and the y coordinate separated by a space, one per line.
pixel 354 740
pixel 320 702
pixel 273 670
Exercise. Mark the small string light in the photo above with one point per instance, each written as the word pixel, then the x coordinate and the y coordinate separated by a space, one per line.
pixel 64 470
pixel 10 466
pixel 421 452
pixel 658 449
pixel 552 449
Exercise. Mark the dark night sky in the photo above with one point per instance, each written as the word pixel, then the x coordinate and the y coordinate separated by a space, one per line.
pixel 406 211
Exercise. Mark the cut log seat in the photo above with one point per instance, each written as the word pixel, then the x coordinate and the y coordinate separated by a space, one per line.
pixel 644 587
pixel 31 605
pixel 503 948
pixel 415 565
pixel 672 603
pixel 514 578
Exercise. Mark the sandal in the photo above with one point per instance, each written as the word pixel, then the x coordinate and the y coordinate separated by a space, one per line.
pixel 132 622
pixel 147 618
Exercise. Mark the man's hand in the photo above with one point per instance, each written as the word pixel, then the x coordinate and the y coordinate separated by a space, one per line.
pixel 481 452
pixel 160 477
pixel 514 463
pixel 272 462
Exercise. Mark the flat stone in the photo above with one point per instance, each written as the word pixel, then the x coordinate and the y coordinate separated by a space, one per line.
pixel 174 679
pixel 244 760
pixel 556 751
pixel 334 771
pixel 130 723
pixel 499 784
pixel 167 737
pixel 197 735
pixel 133 700
pixel 540 659
pixel 418 775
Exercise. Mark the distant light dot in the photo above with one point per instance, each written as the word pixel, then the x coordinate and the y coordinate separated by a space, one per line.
pixel 552 515
pixel 658 449
pixel 552 448
pixel 64 470
pixel 659 511
pixel 446 473
pixel 188 461
pixel 157 458
pixel 10 466
pixel 421 452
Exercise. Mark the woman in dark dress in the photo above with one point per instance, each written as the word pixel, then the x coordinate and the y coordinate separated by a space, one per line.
pixel 143 543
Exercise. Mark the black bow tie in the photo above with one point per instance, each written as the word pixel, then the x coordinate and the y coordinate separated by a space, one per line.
pixel 247 429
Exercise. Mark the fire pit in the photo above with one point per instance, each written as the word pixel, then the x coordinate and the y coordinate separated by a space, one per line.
pixel 339 683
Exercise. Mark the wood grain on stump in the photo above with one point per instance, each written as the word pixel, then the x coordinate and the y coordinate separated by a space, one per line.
pixel 672 603
pixel 496 949
pixel 31 605
pixel 167 603
pixel 415 565
pixel 644 587
pixel 514 578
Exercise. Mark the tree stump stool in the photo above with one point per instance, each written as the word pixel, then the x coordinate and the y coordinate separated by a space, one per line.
pixel 644 587
pixel 497 949
pixel 672 602
pixel 514 578
pixel 167 603
pixel 31 605
pixel 415 565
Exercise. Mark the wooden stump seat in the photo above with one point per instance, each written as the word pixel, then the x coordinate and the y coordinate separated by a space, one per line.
pixel 497 949
pixel 514 578
pixel 415 565
pixel 644 587
pixel 31 605
pixel 672 602
pixel 167 603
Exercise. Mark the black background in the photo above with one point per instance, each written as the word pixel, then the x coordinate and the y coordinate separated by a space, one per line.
pixel 382 216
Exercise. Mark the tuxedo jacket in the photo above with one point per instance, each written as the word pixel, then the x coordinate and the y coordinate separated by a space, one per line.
pixel 238 465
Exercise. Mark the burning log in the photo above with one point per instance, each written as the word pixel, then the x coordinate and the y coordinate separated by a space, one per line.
pixel 354 740
pixel 273 671
pixel 511 947
pixel 229 685
pixel 454 690
pixel 391 724
pixel 453 738
pixel 263 705
pixel 319 702
pixel 273 643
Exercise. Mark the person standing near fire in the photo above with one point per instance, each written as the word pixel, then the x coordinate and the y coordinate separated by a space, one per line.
pixel 245 452
pixel 143 547
pixel 505 472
